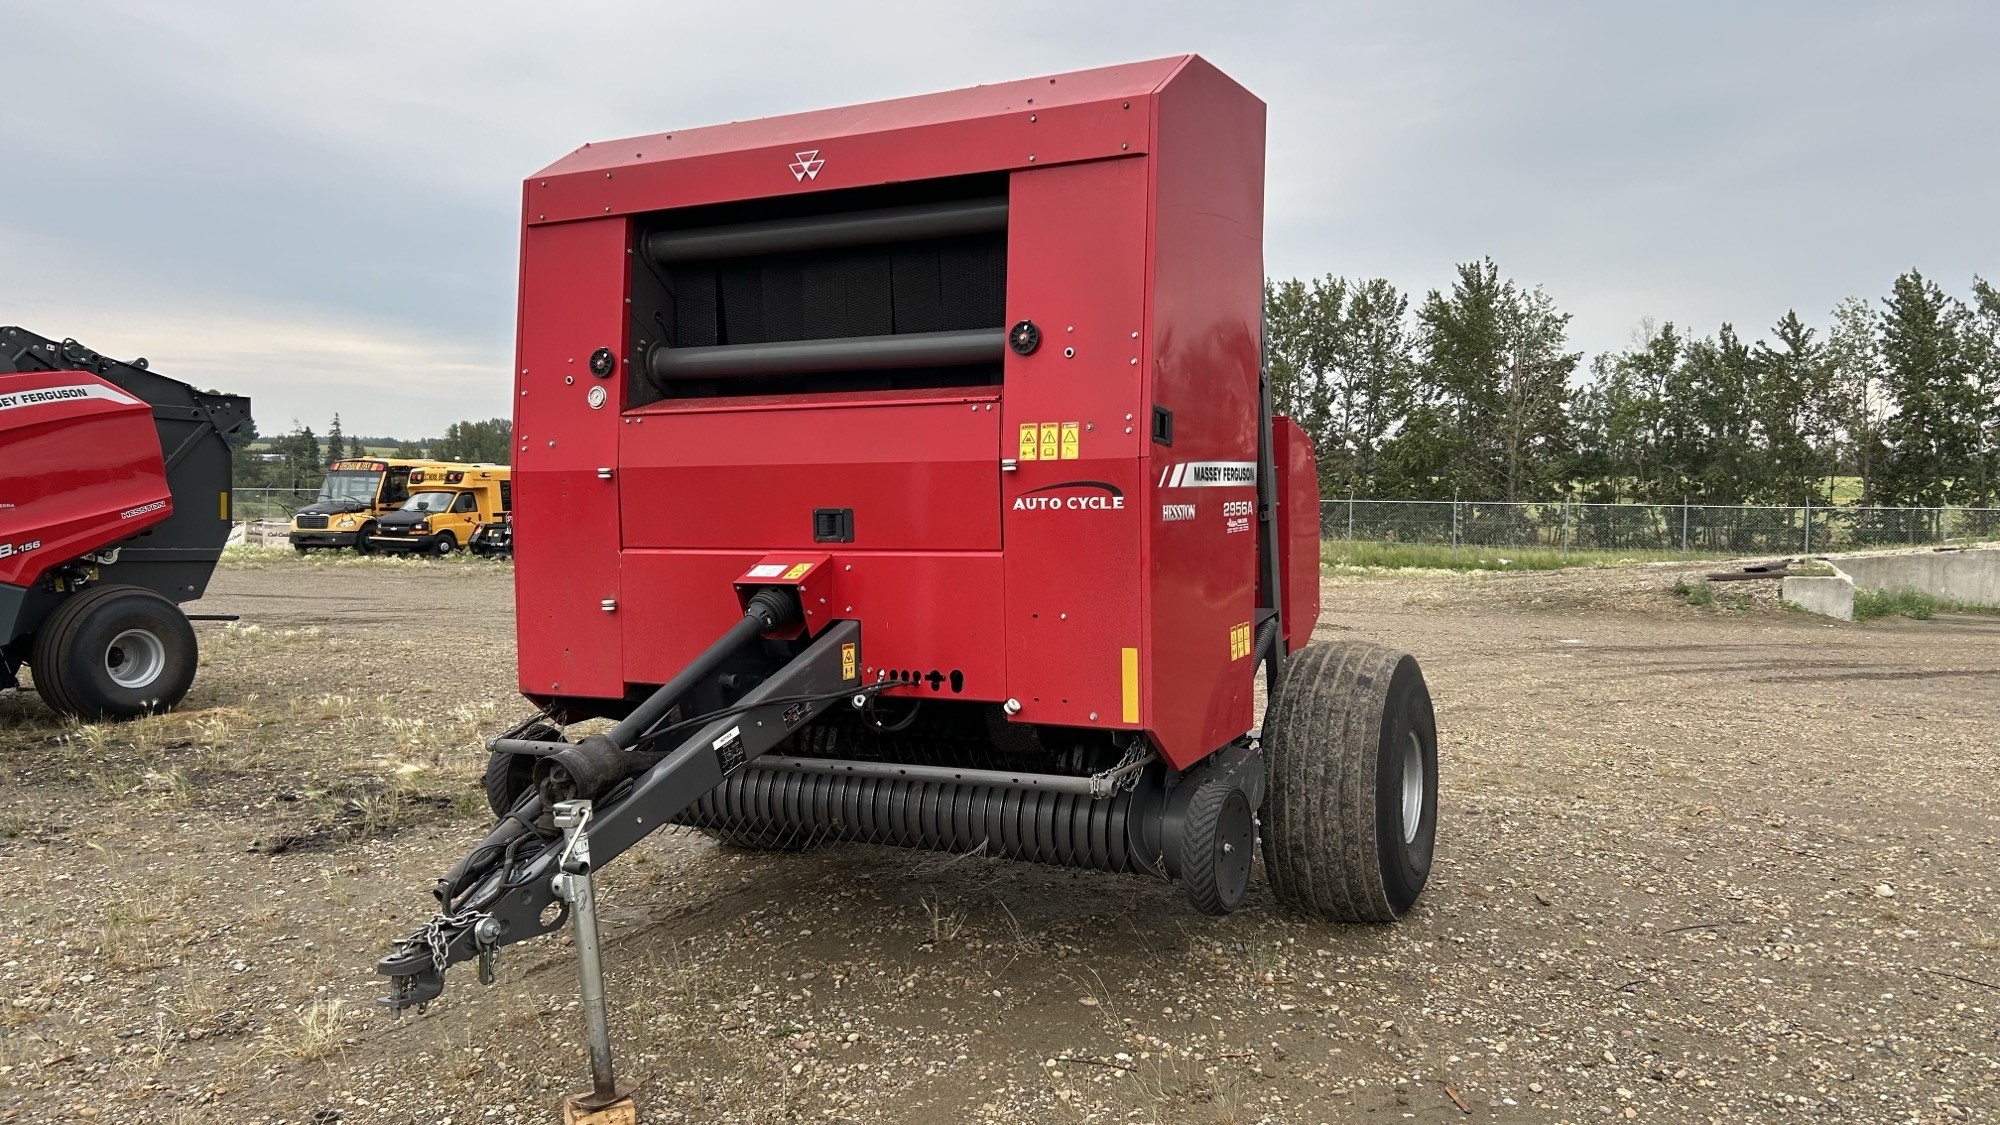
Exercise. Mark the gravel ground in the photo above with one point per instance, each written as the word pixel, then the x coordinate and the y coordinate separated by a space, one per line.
pixel 1725 863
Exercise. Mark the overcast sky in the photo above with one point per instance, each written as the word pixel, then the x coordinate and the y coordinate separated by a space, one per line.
pixel 316 205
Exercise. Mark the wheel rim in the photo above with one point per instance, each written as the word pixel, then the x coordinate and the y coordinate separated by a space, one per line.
pixel 1413 787
pixel 1236 846
pixel 135 659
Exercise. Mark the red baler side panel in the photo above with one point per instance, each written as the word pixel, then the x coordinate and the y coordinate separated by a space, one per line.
pixel 80 469
pixel 1207 296
pixel 573 280
pixel 1298 529
pixel 1076 256
pixel 921 611
pixel 919 469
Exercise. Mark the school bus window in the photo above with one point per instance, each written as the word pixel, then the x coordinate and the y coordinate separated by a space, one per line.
pixel 430 502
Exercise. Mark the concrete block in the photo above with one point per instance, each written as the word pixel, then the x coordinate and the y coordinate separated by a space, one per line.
pixel 1970 577
pixel 1829 596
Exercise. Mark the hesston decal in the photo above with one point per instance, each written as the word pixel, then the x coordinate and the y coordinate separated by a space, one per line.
pixel 1095 496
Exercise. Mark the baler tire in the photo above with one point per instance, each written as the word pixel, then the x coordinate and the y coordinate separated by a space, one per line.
pixel 74 648
pixel 1215 874
pixel 509 776
pixel 47 673
pixel 1345 724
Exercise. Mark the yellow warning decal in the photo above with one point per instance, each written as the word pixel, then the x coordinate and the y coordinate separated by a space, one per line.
pixel 847 656
pixel 798 571
pixel 1051 440
pixel 1028 441
pixel 225 505
pixel 1239 641
pixel 1069 441
pixel 1128 682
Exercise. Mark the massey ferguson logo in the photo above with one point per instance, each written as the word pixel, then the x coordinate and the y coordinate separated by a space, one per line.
pixel 1209 474
pixel 805 165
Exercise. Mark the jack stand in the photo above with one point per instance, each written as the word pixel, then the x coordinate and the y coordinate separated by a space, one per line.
pixel 607 1103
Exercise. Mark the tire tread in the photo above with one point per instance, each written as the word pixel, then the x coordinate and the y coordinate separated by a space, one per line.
pixel 1321 739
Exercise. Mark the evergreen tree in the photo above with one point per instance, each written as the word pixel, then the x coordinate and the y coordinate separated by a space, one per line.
pixel 1985 473
pixel 1339 355
pixel 336 442
pixel 1622 420
pixel 1490 413
pixel 409 449
pixel 1792 404
pixel 1929 366
pixel 1854 362
pixel 490 440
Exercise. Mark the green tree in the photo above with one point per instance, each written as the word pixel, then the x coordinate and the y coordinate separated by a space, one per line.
pixel 1793 415
pixel 490 440
pixel 1859 402
pixel 1709 433
pixel 1621 418
pixel 1490 414
pixel 301 466
pixel 1341 367
pixel 1985 474
pixel 336 442
pixel 1930 368
pixel 409 449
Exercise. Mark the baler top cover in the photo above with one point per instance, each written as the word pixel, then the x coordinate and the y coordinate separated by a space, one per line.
pixel 985 362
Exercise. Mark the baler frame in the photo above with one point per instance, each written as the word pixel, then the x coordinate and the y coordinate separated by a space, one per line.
pixel 918 632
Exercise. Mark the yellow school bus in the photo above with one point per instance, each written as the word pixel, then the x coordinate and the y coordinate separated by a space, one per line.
pixel 354 494
pixel 447 505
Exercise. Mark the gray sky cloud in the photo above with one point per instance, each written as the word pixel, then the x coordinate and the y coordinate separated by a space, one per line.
pixel 317 206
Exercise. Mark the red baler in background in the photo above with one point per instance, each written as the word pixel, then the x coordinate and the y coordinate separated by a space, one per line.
pixel 114 506
pixel 905 474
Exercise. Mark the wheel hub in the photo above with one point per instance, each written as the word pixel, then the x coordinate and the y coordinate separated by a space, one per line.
pixel 1235 847
pixel 134 659
pixel 1413 787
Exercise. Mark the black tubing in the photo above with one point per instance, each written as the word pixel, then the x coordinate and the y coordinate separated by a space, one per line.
pixel 823 232
pixel 769 608
pixel 851 353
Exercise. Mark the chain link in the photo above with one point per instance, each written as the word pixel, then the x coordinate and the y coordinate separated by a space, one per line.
pixel 1125 775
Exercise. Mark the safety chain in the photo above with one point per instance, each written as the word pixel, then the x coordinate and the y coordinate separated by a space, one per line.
pixel 1125 775
pixel 433 934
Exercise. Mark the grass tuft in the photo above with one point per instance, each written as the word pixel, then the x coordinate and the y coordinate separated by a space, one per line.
pixel 1894 603
pixel 1696 594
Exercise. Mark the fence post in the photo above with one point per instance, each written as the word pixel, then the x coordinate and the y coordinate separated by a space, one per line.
pixel 1684 527
pixel 1808 525
pixel 1350 518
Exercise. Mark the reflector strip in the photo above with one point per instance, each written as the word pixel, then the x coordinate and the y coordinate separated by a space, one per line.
pixel 1128 659
pixel 225 505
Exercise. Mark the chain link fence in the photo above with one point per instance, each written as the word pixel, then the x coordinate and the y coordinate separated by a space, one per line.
pixel 268 503
pixel 1689 529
